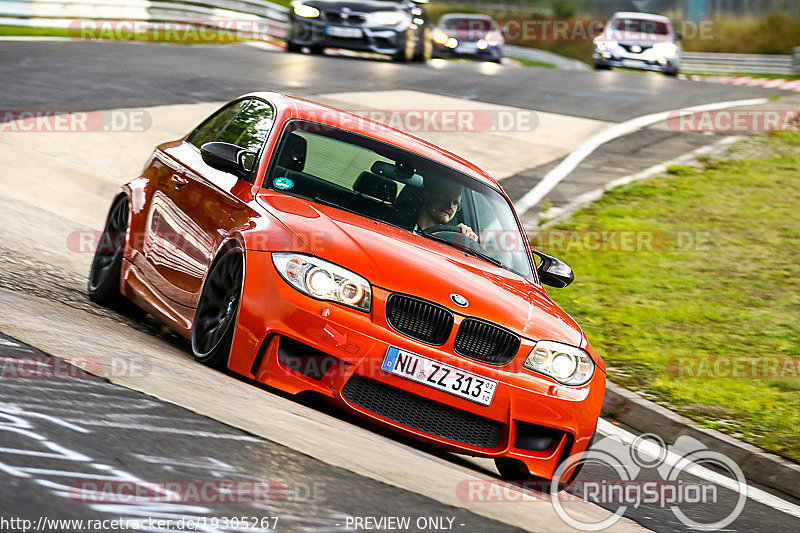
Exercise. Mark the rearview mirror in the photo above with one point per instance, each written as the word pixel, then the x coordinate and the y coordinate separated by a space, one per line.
pixel 229 158
pixel 553 271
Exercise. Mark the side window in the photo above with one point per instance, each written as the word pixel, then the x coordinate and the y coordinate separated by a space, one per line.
pixel 250 127
pixel 209 130
pixel 245 123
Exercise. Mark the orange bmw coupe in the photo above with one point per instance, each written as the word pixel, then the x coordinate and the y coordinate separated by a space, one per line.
pixel 314 250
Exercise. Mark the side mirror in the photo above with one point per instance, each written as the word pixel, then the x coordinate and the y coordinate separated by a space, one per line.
pixel 229 158
pixel 553 271
pixel 678 36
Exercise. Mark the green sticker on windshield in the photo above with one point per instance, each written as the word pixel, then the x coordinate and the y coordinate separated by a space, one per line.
pixel 283 183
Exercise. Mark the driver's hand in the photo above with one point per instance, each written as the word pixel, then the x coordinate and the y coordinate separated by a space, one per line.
pixel 466 230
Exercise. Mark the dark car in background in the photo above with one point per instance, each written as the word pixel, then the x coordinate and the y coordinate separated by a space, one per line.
pixel 399 29
pixel 464 35
pixel 639 41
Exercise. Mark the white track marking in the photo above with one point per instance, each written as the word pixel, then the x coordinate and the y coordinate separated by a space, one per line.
pixel 557 214
pixel 650 448
pixel 554 177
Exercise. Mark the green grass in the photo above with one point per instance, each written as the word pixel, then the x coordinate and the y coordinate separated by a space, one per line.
pixel 772 33
pixel 767 76
pixel 726 285
pixel 529 63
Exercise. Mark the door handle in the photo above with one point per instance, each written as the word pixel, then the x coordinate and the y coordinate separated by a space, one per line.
pixel 179 181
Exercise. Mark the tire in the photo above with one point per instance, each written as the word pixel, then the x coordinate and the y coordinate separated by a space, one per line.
pixel 316 49
pixel 293 48
pixel 424 51
pixel 671 73
pixel 599 66
pixel 215 318
pixel 104 274
pixel 405 53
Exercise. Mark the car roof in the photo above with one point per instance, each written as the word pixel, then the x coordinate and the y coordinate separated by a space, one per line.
pixel 640 16
pixel 307 110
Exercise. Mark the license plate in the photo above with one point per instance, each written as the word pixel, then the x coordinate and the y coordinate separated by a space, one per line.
pixel 439 376
pixel 466 48
pixel 632 63
pixel 339 31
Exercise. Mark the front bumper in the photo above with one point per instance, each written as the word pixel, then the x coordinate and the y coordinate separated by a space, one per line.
pixel 272 312
pixel 624 59
pixel 377 39
pixel 490 53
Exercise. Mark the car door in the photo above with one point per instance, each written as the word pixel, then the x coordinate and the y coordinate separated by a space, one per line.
pixel 195 206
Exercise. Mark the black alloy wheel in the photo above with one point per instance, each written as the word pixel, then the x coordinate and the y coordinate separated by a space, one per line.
pixel 215 318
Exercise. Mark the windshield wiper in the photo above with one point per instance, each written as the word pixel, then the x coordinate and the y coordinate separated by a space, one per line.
pixel 465 249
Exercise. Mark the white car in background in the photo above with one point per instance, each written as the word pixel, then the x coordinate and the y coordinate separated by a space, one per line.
pixel 638 41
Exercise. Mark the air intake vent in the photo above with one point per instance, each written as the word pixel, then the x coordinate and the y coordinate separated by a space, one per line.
pixel 419 319
pixel 485 342
pixel 422 414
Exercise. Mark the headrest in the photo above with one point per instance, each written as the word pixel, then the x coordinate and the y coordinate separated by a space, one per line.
pixel 399 172
pixel 293 153
pixel 370 184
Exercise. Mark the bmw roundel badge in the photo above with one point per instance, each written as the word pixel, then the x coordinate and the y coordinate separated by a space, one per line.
pixel 459 300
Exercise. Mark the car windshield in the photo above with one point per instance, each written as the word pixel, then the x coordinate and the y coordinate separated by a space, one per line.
pixel 466 23
pixel 383 182
pixel 650 27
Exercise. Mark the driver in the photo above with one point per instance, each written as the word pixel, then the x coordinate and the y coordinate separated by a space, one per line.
pixel 441 200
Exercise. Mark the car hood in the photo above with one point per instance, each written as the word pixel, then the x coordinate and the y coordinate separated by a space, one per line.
pixel 355 6
pixel 399 261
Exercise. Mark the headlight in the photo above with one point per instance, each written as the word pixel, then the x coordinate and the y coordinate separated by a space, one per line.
pixel 492 39
pixel 387 18
pixel 452 42
pixel 606 45
pixel 566 364
pixel 665 49
pixel 440 37
pixel 323 280
pixel 482 45
pixel 302 10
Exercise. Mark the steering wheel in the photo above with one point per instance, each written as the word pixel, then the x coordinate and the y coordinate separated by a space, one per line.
pixel 455 236
pixel 443 228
